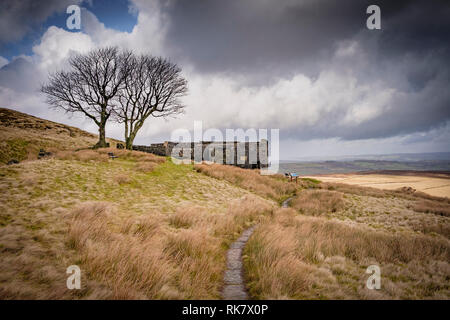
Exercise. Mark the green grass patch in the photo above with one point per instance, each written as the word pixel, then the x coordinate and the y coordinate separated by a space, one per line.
pixel 5 219
pixel 13 149
pixel 311 180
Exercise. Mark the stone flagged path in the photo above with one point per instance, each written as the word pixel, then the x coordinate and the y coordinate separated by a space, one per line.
pixel 285 203
pixel 234 288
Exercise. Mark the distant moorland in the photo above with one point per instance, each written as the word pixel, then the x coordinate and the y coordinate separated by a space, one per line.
pixel 332 167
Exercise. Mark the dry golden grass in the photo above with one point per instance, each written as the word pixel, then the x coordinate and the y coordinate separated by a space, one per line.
pixel 354 189
pixel 81 155
pixel 145 160
pixel 434 184
pixel 293 257
pixel 122 179
pixel 141 227
pixel 430 206
pixel 132 262
pixel 318 202
pixel 133 155
pixel 157 256
pixel 393 214
pixel 404 192
pixel 395 210
pixel 185 217
pixel 146 166
pixel 161 235
pixel 22 135
pixel 274 187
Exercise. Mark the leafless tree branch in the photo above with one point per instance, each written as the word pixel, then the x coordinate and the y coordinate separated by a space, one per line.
pixel 91 84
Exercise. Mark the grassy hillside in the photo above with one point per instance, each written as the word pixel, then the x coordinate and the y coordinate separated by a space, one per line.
pixel 138 226
pixel 142 227
pixel 22 135
pixel 321 247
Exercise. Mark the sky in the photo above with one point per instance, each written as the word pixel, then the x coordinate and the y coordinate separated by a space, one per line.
pixel 310 68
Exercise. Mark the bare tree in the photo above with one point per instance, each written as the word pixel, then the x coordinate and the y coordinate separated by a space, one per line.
pixel 153 86
pixel 90 85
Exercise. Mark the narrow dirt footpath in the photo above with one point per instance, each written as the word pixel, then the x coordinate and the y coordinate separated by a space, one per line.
pixel 285 203
pixel 234 288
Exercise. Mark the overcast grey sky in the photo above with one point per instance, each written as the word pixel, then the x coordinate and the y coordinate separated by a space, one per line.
pixel 308 67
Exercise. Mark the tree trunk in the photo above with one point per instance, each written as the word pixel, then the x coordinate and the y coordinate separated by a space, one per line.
pixel 129 141
pixel 133 132
pixel 101 137
pixel 101 129
pixel 128 144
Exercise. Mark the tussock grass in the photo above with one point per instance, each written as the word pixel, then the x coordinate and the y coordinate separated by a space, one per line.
pixel 141 227
pixel 135 266
pixel 292 257
pixel 122 179
pixel 405 192
pixel 82 155
pixel 22 135
pixel 185 217
pixel 318 202
pixel 161 235
pixel 142 158
pixel 273 187
pixel 133 155
pixel 434 207
pixel 146 167
pixel 395 210
pixel 353 189
pixel 156 256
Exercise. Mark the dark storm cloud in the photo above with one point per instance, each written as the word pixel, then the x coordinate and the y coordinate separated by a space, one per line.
pixel 247 36
pixel 359 83
pixel 250 36
pixel 18 17
pixel 20 74
pixel 266 40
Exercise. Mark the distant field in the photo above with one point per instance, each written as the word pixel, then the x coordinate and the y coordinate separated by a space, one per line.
pixel 335 167
pixel 434 184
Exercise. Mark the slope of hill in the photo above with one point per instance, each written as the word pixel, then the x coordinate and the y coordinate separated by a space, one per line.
pixel 142 227
pixel 22 135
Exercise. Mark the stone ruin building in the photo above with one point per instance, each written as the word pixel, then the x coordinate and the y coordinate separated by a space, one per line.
pixel 250 155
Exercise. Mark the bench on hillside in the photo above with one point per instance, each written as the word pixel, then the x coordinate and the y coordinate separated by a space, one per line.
pixel 111 155
pixel 43 153
pixel 291 176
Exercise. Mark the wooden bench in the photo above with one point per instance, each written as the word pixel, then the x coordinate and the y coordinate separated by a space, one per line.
pixel 111 155
pixel 291 176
